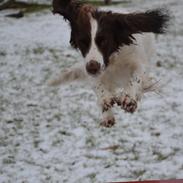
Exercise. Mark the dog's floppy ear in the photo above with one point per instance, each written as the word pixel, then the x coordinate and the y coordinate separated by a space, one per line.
pixel 59 6
pixel 67 8
pixel 151 21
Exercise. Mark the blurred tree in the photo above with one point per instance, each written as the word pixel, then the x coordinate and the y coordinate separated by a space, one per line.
pixel 5 3
pixel 107 1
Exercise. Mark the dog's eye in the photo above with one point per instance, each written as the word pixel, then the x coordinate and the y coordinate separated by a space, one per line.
pixel 101 41
pixel 83 42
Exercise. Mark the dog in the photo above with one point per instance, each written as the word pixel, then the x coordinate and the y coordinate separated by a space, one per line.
pixel 116 48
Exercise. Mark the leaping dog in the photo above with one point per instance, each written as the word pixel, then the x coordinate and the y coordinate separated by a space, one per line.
pixel 116 48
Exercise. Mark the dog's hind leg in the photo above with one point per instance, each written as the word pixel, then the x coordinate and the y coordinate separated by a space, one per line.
pixel 76 73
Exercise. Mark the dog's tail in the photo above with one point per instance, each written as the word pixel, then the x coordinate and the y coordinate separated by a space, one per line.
pixel 151 85
pixel 67 76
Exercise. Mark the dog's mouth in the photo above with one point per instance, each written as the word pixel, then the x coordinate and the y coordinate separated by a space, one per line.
pixel 93 73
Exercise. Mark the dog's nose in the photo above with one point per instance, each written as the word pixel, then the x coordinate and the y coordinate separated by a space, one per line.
pixel 93 67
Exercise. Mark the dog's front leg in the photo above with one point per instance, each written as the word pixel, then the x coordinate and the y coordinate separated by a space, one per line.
pixel 108 119
pixel 75 73
pixel 106 101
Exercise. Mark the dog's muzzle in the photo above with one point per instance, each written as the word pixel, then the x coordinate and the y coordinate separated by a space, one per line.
pixel 93 67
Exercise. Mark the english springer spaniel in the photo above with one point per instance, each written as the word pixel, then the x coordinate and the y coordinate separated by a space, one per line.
pixel 116 48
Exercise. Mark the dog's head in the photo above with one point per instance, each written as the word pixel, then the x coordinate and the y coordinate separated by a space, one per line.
pixel 98 34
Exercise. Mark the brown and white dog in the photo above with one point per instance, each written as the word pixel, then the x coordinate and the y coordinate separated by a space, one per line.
pixel 116 48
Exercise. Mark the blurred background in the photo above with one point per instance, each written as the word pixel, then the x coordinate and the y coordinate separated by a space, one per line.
pixel 53 134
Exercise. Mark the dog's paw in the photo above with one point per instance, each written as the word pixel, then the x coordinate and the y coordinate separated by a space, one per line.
pixel 108 103
pixel 108 122
pixel 127 103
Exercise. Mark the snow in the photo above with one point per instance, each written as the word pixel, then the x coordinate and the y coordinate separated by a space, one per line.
pixel 53 134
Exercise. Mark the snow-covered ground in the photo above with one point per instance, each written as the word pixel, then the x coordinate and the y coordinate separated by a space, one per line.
pixel 53 134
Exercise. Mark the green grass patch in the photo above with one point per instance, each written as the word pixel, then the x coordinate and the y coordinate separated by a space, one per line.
pixel 28 7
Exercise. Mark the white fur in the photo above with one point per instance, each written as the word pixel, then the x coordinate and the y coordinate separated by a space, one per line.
pixel 94 53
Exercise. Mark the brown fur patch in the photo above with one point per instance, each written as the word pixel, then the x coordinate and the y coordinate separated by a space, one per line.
pixel 115 29
pixel 78 15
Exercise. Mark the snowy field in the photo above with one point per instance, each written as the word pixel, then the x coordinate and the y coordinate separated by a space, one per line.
pixel 53 134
